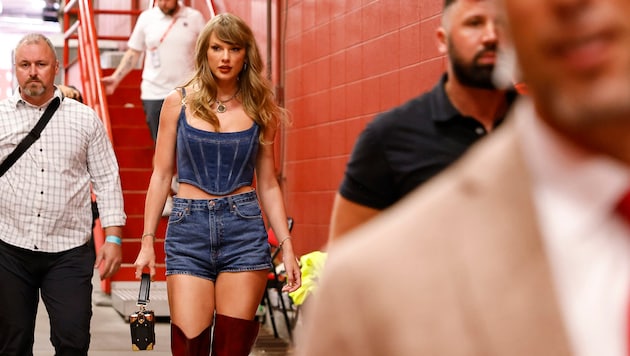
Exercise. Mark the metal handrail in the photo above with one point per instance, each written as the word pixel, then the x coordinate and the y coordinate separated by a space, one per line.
pixel 88 52
pixel 210 8
pixel 88 57
pixel 88 60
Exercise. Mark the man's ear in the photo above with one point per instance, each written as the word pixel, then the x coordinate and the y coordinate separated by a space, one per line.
pixel 441 40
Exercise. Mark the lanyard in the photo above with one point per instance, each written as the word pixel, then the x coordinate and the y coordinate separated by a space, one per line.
pixel 164 35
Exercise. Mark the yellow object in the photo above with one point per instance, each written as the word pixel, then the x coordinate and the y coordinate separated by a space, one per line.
pixel 311 266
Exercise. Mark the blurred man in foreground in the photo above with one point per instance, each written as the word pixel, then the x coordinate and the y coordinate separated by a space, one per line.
pixel 521 248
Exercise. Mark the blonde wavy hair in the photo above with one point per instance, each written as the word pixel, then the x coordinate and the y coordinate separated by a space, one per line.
pixel 254 89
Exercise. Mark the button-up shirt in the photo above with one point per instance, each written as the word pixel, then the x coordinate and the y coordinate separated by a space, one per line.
pixel 45 196
pixel 587 243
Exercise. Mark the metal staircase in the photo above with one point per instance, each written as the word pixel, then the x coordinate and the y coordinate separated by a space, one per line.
pixel 134 150
pixel 124 119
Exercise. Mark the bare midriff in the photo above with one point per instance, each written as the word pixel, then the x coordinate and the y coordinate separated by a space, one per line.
pixel 188 191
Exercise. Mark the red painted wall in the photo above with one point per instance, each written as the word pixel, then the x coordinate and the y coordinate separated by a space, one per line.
pixel 344 62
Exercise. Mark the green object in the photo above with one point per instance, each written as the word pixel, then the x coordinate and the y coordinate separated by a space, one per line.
pixel 312 265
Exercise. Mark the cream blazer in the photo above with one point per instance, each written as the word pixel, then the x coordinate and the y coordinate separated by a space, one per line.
pixel 456 268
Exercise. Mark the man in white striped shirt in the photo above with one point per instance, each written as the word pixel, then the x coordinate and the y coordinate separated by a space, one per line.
pixel 45 213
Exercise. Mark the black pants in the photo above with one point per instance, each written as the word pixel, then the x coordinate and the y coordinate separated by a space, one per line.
pixel 65 282
pixel 152 109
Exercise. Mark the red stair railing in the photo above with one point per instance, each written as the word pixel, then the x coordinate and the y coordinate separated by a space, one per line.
pixel 84 32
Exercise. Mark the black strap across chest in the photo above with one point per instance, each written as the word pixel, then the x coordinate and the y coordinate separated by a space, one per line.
pixel 32 136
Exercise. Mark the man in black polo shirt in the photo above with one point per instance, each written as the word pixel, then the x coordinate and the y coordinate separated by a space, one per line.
pixel 404 147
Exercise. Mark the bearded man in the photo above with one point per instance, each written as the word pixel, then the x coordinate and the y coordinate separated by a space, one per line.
pixel 404 147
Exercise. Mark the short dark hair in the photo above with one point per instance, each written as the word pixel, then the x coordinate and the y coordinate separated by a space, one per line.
pixel 448 3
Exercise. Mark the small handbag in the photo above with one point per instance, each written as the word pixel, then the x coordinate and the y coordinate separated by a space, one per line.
pixel 142 322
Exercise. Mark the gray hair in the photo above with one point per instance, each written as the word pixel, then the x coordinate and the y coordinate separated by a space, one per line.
pixel 34 38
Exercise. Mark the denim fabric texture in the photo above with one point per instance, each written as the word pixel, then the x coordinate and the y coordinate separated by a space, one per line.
pixel 216 162
pixel 206 237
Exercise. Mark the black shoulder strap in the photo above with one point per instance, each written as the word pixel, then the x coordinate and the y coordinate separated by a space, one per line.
pixel 145 286
pixel 30 138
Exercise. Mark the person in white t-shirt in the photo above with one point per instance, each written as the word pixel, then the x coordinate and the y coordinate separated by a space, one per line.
pixel 166 34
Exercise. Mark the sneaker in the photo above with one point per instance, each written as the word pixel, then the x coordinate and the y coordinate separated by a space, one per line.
pixel 168 206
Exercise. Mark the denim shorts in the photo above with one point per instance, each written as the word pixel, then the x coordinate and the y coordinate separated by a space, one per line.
pixel 206 237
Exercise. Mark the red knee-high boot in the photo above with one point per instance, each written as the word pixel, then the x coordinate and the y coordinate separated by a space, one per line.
pixel 183 346
pixel 233 336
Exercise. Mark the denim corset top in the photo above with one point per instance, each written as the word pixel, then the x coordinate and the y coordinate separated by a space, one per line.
pixel 216 162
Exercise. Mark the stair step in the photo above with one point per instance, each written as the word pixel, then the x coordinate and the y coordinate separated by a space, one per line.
pixel 134 201
pixel 131 115
pixel 132 136
pixel 134 157
pixel 134 150
pixel 128 91
pixel 125 297
pixel 126 95
pixel 135 178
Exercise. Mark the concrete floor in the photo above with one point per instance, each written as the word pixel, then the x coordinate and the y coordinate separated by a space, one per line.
pixel 110 332
pixel 111 335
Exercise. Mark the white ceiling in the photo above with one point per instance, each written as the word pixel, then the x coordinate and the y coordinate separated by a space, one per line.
pixel 17 18
pixel 23 16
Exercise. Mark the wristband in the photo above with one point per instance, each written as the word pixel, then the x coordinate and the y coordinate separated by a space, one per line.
pixel 113 239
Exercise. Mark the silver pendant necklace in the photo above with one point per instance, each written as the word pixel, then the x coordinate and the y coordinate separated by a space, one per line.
pixel 221 108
